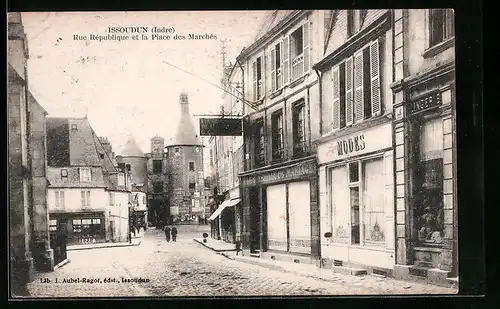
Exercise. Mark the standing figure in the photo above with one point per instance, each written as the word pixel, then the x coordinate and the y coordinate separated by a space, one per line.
pixel 174 233
pixel 167 233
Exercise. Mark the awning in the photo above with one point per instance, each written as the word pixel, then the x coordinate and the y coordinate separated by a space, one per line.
pixel 224 205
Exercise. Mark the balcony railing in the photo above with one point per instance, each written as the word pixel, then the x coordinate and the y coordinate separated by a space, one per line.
pixel 298 66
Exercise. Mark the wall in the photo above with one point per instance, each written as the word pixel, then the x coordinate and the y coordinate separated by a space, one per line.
pixel 139 169
pixel 98 200
pixel 417 42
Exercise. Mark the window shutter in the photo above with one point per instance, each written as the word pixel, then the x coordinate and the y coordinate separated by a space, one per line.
pixel 286 62
pixel 61 197
pixel 273 69
pixel 56 197
pixel 349 91
pixel 254 79
pixel 336 97
pixel 88 198
pixel 305 42
pixel 80 174
pixel 375 78
pixel 358 87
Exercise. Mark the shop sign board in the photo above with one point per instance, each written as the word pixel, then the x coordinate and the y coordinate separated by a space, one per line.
pixel 361 142
pixel 303 169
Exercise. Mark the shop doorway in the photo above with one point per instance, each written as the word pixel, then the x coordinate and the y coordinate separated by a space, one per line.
pixel 255 220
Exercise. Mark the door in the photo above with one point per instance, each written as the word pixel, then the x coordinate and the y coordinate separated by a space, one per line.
pixel 254 220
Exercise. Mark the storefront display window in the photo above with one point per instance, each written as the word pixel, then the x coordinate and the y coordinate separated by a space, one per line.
pixel 428 184
pixel 373 201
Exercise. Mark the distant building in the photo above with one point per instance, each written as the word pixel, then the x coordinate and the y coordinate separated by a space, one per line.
pixel 133 158
pixel 88 194
pixel 157 177
pixel 184 155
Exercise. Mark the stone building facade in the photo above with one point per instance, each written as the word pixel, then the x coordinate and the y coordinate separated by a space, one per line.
pixel 279 182
pixel 355 149
pixel 425 142
pixel 29 234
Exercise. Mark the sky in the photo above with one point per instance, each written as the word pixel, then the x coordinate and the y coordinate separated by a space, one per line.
pixel 125 87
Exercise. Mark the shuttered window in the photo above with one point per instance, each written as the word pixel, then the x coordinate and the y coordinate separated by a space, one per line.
pixel 286 61
pixel 349 112
pixel 59 199
pixel 305 30
pixel 336 97
pixel 375 78
pixel 358 88
pixel 85 198
pixel 273 69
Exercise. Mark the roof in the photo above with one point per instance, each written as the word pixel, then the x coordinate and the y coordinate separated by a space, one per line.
pixel 270 21
pixel 186 133
pixel 131 149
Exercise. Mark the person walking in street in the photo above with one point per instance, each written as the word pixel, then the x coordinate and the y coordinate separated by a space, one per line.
pixel 174 233
pixel 167 233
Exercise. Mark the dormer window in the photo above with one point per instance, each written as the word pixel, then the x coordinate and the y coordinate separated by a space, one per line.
pixel 74 127
pixel 64 173
pixel 121 179
pixel 85 174
pixel 355 19
pixel 101 155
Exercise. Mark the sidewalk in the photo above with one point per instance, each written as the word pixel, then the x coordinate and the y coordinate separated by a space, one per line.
pixel 342 274
pixel 216 245
pixel 135 242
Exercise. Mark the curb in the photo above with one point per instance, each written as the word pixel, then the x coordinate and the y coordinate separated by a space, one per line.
pixel 104 247
pixel 61 264
pixel 213 249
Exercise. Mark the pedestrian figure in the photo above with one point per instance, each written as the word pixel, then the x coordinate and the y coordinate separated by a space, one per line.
pixel 174 233
pixel 167 233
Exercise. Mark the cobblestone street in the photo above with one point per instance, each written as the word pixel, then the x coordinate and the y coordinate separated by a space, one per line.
pixel 186 268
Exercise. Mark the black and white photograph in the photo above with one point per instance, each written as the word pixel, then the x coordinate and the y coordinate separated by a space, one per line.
pixel 232 153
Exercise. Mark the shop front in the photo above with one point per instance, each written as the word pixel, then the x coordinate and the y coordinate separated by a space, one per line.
pixel 279 210
pixel 425 166
pixel 81 228
pixel 357 198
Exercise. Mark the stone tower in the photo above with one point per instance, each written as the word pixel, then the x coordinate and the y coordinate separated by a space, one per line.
pixel 158 205
pixel 185 166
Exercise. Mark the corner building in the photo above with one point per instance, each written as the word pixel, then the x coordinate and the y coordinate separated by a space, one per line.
pixel 279 183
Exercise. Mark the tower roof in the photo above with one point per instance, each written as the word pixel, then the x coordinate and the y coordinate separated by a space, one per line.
pixel 186 133
pixel 131 149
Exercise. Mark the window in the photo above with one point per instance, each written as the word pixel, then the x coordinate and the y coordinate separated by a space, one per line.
pixel 277 133
pixel 191 166
pixel 157 166
pixel 52 225
pixel 356 87
pixel 121 179
pixel 85 198
pixel 428 183
pixel 374 219
pixel 101 155
pixel 257 78
pixel 77 225
pixel 441 25
pixel 59 199
pixel 354 202
pixel 121 167
pixel 276 65
pixel 158 187
pixel 259 142
pixel 355 19
pixel 111 198
pixel 128 167
pixel 299 138
pixel 299 51
pixel 64 173
pixel 176 150
pixel 144 200
pixel 192 186
pixel 74 127
pixel 85 174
